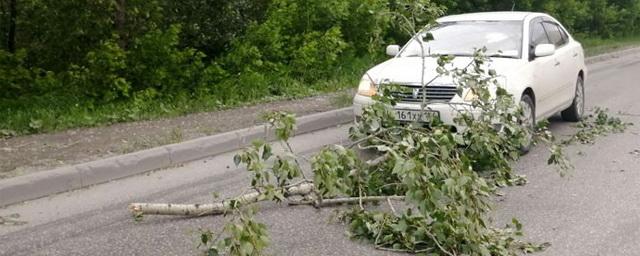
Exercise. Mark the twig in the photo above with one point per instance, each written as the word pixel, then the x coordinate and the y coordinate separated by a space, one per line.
pixel 347 200
pixel 438 244
pixel 393 250
pixel 375 243
pixel 295 158
pixel 371 136
pixel 402 250
pixel 378 160
pixel 360 198
pixel 391 206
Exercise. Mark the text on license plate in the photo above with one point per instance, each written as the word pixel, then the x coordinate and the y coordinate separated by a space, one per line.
pixel 416 115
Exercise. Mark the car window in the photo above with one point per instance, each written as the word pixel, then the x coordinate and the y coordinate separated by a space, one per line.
pixel 538 35
pixel 564 34
pixel 554 33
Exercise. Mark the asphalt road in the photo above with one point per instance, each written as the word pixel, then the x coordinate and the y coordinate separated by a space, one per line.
pixel 594 211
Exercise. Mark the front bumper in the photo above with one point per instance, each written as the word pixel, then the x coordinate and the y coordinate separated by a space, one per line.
pixel 448 111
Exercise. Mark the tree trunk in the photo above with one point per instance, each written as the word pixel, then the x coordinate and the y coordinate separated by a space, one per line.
pixel 11 37
pixel 120 23
pixel 215 208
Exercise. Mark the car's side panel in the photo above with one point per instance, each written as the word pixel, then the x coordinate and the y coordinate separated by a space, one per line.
pixel 565 63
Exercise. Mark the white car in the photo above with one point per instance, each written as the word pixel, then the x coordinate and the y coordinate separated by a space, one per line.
pixel 534 56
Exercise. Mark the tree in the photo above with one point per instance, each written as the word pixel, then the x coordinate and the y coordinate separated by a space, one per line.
pixel 120 22
pixel 11 37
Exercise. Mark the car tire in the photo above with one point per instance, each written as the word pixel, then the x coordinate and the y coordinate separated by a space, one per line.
pixel 576 110
pixel 529 120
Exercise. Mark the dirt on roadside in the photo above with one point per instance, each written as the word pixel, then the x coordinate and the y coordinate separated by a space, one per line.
pixel 39 152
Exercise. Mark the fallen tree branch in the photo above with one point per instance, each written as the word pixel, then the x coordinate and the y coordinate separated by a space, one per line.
pixel 138 209
pixel 304 189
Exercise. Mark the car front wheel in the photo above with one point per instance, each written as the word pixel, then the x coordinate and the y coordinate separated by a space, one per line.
pixel 528 121
pixel 576 110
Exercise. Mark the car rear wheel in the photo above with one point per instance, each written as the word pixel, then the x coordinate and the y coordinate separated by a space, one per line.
pixel 528 121
pixel 576 110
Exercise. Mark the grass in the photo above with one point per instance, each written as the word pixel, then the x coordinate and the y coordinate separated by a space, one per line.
pixel 342 99
pixel 597 46
pixel 176 135
pixel 51 113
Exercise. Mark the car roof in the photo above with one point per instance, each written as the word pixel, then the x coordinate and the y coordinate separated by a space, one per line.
pixel 493 16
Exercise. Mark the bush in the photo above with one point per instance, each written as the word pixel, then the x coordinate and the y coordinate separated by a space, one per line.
pixel 18 80
pixel 318 53
pixel 156 61
pixel 15 78
pixel 102 78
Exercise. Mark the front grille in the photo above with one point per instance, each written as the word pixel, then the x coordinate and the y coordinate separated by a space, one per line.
pixel 433 93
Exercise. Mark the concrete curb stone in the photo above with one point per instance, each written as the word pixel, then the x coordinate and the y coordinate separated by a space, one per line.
pixel 32 186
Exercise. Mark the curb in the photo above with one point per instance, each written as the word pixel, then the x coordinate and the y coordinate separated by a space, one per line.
pixel 611 55
pixel 32 186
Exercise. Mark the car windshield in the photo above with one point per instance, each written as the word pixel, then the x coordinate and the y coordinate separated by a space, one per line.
pixel 462 38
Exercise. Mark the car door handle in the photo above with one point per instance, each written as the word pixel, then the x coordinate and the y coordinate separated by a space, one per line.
pixel 557 63
pixel 575 55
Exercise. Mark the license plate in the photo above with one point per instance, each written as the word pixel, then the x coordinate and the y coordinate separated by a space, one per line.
pixel 416 115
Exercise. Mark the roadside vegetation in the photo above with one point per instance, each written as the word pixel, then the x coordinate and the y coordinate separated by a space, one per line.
pixel 596 46
pixel 77 63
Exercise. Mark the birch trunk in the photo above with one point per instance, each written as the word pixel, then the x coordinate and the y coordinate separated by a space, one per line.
pixel 214 208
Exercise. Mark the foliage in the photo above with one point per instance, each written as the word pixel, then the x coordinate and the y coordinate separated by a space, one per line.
pixel 103 77
pixel 597 124
pixel 246 237
pixel 211 25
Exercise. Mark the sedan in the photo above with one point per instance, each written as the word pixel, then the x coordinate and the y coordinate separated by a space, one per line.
pixel 535 57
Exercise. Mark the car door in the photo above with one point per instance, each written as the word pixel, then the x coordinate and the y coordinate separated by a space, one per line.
pixel 565 64
pixel 544 70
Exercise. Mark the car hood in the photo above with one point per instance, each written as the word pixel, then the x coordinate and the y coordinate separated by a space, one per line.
pixel 406 70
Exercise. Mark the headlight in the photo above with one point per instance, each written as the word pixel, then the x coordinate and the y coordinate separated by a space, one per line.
pixel 367 87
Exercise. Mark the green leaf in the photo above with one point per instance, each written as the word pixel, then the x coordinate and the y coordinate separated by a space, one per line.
pixel 213 251
pixel 246 248
pixel 237 159
pixel 204 238
pixel 266 152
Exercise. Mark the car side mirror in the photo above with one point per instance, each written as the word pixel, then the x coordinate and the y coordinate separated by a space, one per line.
pixel 543 50
pixel 393 50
